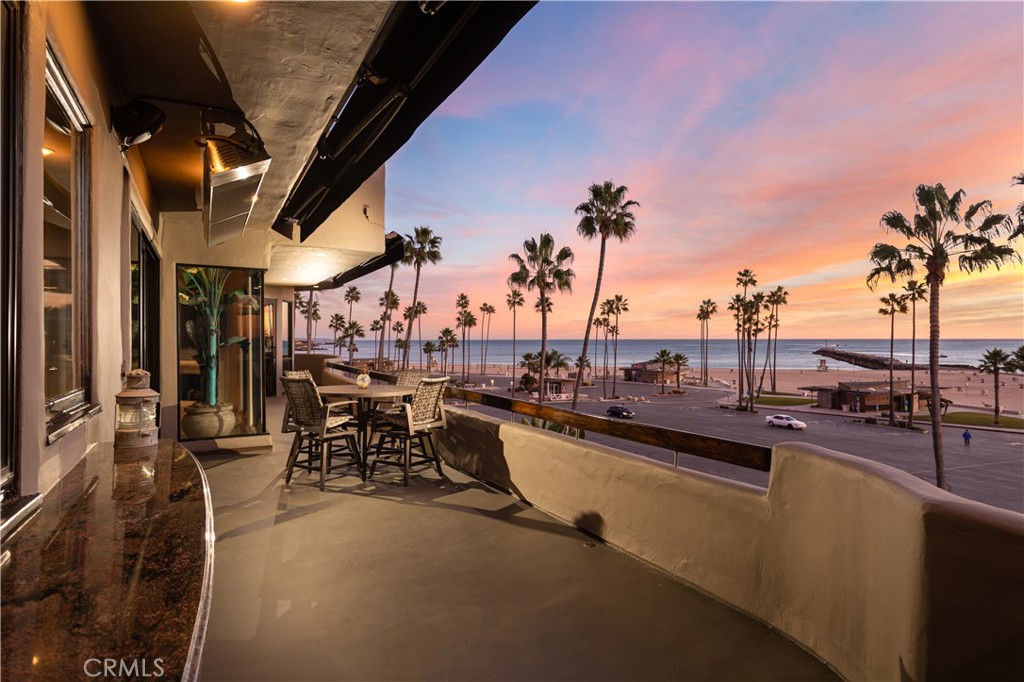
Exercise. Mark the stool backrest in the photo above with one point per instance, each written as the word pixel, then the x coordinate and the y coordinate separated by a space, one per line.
pixel 426 401
pixel 409 377
pixel 304 400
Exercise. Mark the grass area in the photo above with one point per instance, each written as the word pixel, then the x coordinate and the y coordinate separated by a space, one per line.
pixel 783 400
pixel 976 419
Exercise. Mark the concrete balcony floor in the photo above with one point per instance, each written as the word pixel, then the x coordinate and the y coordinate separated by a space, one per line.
pixel 448 580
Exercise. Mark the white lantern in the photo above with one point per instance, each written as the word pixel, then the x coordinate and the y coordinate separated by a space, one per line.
pixel 363 380
pixel 136 419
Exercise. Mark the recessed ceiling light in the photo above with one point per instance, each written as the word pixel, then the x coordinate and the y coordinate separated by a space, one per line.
pixel 47 151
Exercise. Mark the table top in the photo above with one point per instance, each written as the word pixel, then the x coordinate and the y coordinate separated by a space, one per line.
pixel 371 391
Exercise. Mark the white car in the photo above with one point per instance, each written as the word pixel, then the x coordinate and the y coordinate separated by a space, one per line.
pixel 784 420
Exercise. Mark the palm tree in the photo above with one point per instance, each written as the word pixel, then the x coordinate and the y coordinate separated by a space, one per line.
pixel 429 348
pixel 514 300
pixel 607 214
pixel 486 310
pixel 302 308
pixel 462 306
pixel 607 310
pixel 938 234
pixel 385 303
pixel 314 320
pixel 707 310
pixel 741 311
pixel 774 299
pixel 602 324
pixel 892 305
pixel 353 330
pixel 418 311
pixel 352 295
pixel 337 324
pixel 582 363
pixel 466 320
pixel 557 361
pixel 447 340
pixel 664 356
pixel 679 360
pixel 421 247
pixel 547 271
pixel 398 327
pixel 1016 362
pixel 993 362
pixel 915 291
pixel 619 305
pixel 375 327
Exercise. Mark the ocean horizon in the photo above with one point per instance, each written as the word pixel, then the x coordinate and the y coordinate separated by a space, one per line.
pixel 792 353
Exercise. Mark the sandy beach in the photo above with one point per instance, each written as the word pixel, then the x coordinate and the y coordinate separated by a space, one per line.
pixel 966 388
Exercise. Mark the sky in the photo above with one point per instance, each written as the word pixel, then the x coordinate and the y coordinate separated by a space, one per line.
pixel 768 136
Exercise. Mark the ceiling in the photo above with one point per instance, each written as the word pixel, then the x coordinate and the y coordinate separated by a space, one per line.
pixel 288 68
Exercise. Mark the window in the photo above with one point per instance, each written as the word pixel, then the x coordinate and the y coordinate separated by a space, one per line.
pixel 65 255
pixel 220 352
pixel 10 248
pixel 145 303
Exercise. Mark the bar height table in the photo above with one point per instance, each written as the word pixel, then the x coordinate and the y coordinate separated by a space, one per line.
pixel 365 397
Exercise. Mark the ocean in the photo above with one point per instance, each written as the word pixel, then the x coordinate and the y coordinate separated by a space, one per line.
pixel 792 353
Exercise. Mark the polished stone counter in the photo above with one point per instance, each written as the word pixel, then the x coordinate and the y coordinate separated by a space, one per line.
pixel 113 574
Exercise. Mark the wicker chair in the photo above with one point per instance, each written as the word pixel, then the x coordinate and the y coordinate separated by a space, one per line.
pixel 321 431
pixel 399 428
pixel 288 426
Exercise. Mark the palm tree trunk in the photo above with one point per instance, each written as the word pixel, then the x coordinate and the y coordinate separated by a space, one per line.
pixel 590 322
pixel 604 372
pixel 740 364
pixel 775 349
pixel 913 361
pixel 615 358
pixel 892 343
pixel 764 368
pixel 412 310
pixel 933 374
pixel 995 386
pixel 513 352
pixel 700 353
pixel 387 297
pixel 543 346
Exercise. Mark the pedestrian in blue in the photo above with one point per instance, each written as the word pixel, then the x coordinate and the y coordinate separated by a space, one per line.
pixel 967 436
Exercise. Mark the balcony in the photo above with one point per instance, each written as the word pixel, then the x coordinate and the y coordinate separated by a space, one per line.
pixel 876 573
pixel 448 579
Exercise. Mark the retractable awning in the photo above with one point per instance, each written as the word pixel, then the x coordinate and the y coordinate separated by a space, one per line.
pixel 422 53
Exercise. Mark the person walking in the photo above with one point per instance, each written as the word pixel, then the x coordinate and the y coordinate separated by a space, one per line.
pixel 967 436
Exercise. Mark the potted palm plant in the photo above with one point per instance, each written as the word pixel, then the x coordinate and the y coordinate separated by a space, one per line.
pixel 204 290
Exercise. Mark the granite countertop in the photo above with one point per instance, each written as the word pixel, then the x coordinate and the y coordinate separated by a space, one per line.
pixel 117 565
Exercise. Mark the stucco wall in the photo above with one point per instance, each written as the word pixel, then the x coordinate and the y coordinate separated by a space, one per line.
pixel 64 25
pixel 878 573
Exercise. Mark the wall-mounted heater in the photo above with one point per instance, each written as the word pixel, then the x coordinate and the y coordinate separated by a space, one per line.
pixel 235 162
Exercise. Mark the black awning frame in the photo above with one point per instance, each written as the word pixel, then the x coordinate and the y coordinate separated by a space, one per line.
pixel 417 60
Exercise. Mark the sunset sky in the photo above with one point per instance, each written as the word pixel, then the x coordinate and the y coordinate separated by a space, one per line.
pixel 769 136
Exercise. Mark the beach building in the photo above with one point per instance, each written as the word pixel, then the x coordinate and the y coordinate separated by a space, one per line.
pixel 172 173
pixel 866 396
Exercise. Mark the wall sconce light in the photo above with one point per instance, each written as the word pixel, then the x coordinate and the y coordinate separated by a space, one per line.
pixel 136 122
pixel 136 417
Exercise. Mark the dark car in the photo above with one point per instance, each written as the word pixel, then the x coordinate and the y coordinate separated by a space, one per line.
pixel 620 411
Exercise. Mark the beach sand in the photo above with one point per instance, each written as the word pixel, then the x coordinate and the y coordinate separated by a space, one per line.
pixel 966 388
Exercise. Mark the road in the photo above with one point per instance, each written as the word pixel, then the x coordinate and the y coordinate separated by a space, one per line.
pixel 991 470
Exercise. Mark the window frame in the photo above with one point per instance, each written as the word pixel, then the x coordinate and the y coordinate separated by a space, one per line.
pixel 66 412
pixel 11 117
